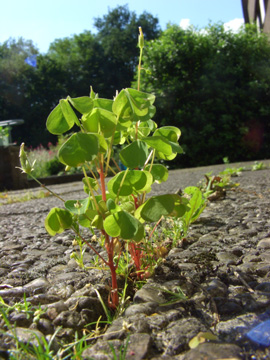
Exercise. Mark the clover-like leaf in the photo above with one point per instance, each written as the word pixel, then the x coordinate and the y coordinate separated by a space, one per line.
pixel 134 105
pixel 159 172
pixel 155 207
pixel 83 104
pixel 58 220
pixel 78 149
pixel 100 120
pixel 134 155
pixel 159 143
pixel 130 182
pixel 105 104
pixel 171 133
pixel 124 225
pixel 58 122
pixel 77 207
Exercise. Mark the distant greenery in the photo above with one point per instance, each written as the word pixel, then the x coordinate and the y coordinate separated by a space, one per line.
pixel 213 84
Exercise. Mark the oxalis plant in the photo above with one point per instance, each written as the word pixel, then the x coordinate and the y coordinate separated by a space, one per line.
pixel 120 207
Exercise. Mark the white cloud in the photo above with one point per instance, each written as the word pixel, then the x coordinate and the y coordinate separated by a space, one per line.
pixel 184 24
pixel 234 25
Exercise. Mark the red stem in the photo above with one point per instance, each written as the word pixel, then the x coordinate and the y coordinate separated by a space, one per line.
pixel 136 255
pixel 102 182
pixel 114 299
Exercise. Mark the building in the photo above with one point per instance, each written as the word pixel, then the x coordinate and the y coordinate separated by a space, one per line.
pixel 257 11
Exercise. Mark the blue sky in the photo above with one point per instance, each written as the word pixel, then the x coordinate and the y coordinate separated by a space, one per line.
pixel 43 21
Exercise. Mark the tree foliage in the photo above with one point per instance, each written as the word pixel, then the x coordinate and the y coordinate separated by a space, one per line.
pixel 70 65
pixel 215 86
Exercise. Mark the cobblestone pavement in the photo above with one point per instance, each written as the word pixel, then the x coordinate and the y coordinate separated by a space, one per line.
pixel 223 267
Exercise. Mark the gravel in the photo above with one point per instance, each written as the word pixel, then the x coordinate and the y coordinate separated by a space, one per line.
pixel 223 268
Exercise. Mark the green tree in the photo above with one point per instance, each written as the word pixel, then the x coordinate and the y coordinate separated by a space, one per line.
pixel 118 36
pixel 69 67
pixel 215 86
pixel 15 76
pixel 81 59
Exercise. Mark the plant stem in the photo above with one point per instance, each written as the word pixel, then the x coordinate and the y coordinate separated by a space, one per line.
pixel 139 72
pixel 114 291
pixel 91 190
pixel 91 247
pixel 45 187
pixel 110 150
pixel 102 181
pixel 139 69
pixel 135 252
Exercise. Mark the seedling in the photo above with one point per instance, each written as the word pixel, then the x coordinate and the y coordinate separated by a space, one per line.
pixel 119 208
pixel 258 166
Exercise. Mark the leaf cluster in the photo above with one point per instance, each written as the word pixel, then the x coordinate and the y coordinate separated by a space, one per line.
pixel 121 210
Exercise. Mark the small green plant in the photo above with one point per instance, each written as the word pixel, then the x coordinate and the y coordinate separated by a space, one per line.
pixel 78 257
pixel 226 160
pixel 122 351
pixel 119 208
pixel 232 171
pixel 4 135
pixel 174 296
pixel 214 186
pixel 195 204
pixel 258 166
pixel 24 307
pixel 9 198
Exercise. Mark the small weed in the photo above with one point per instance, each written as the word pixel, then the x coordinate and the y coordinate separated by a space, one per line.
pixel 258 166
pixel 174 296
pixel 122 351
pixel 8 198
pixel 214 187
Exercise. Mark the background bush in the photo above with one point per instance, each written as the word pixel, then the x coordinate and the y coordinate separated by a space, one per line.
pixel 212 84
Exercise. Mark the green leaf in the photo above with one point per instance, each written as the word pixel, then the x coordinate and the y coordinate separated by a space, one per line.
pixel 155 207
pixel 92 93
pixel 77 207
pixel 134 182
pixel 112 207
pixel 78 149
pixel 56 123
pixel 93 184
pixel 118 138
pixel 176 148
pixel 124 225
pixel 134 155
pixel 100 120
pixel 159 172
pixel 180 206
pixel 134 105
pixel 141 99
pixel 150 114
pixel 171 133
pixel 159 143
pixel 83 104
pixel 145 127
pixel 122 106
pixel 57 221
pixel 102 144
pixel 200 338
pixel 68 112
pixel 196 204
pixel 105 104
pixel 98 222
